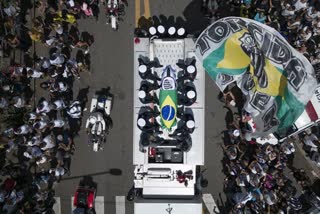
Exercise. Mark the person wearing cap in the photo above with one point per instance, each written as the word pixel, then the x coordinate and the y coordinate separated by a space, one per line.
pixel 145 90
pixel 171 31
pixel 152 31
pixel 188 125
pixel 145 70
pixel 181 32
pixel 187 96
pixel 145 122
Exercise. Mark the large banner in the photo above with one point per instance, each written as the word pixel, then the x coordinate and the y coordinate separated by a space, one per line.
pixel 276 80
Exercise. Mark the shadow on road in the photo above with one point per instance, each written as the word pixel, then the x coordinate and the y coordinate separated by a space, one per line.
pixel 114 171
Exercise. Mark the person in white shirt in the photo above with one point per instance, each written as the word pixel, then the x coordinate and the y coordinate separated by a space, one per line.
pixel 59 87
pixel 43 107
pixel 57 59
pixel 310 140
pixel 40 125
pixel 23 130
pixel 301 5
pixel 74 110
pixel 35 74
pixel 289 11
pixel 47 143
pixel 58 123
pixel 19 102
pixel 34 141
pixel 58 105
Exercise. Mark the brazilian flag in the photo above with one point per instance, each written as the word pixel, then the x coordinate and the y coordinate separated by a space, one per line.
pixel 168 107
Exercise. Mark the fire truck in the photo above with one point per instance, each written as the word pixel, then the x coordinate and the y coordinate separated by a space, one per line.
pixel 168 126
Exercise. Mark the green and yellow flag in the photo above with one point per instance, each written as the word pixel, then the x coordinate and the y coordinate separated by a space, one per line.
pixel 276 80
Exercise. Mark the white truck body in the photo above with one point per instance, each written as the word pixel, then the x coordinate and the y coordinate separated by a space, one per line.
pixel 161 192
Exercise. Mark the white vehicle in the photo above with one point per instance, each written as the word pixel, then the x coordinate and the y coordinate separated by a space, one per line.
pixel 167 173
pixel 96 125
pixel 309 117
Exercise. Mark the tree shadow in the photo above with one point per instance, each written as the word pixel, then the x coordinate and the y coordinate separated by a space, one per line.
pixel 194 17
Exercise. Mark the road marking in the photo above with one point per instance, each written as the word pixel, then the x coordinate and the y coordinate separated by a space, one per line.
pixel 98 204
pixel 120 205
pixel 57 206
pixel 72 207
pixel 137 2
pixel 147 9
pixel 210 204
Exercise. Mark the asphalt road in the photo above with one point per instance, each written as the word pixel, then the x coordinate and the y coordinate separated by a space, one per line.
pixel 112 61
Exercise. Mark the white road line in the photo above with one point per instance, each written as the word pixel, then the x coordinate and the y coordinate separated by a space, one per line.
pixel 57 206
pixel 98 204
pixel 120 205
pixel 210 204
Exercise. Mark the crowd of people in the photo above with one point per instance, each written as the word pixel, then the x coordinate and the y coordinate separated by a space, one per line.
pixel 296 20
pixel 37 137
pixel 256 181
pixel 310 144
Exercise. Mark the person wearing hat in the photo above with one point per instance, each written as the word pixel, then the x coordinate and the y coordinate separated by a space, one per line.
pixel 57 59
pixel 145 90
pixel 171 31
pixel 187 96
pixel 189 71
pixel 234 136
pixel 145 70
pixel 181 32
pixel 147 121
pixel 94 119
pixel 187 127
pixel 152 31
